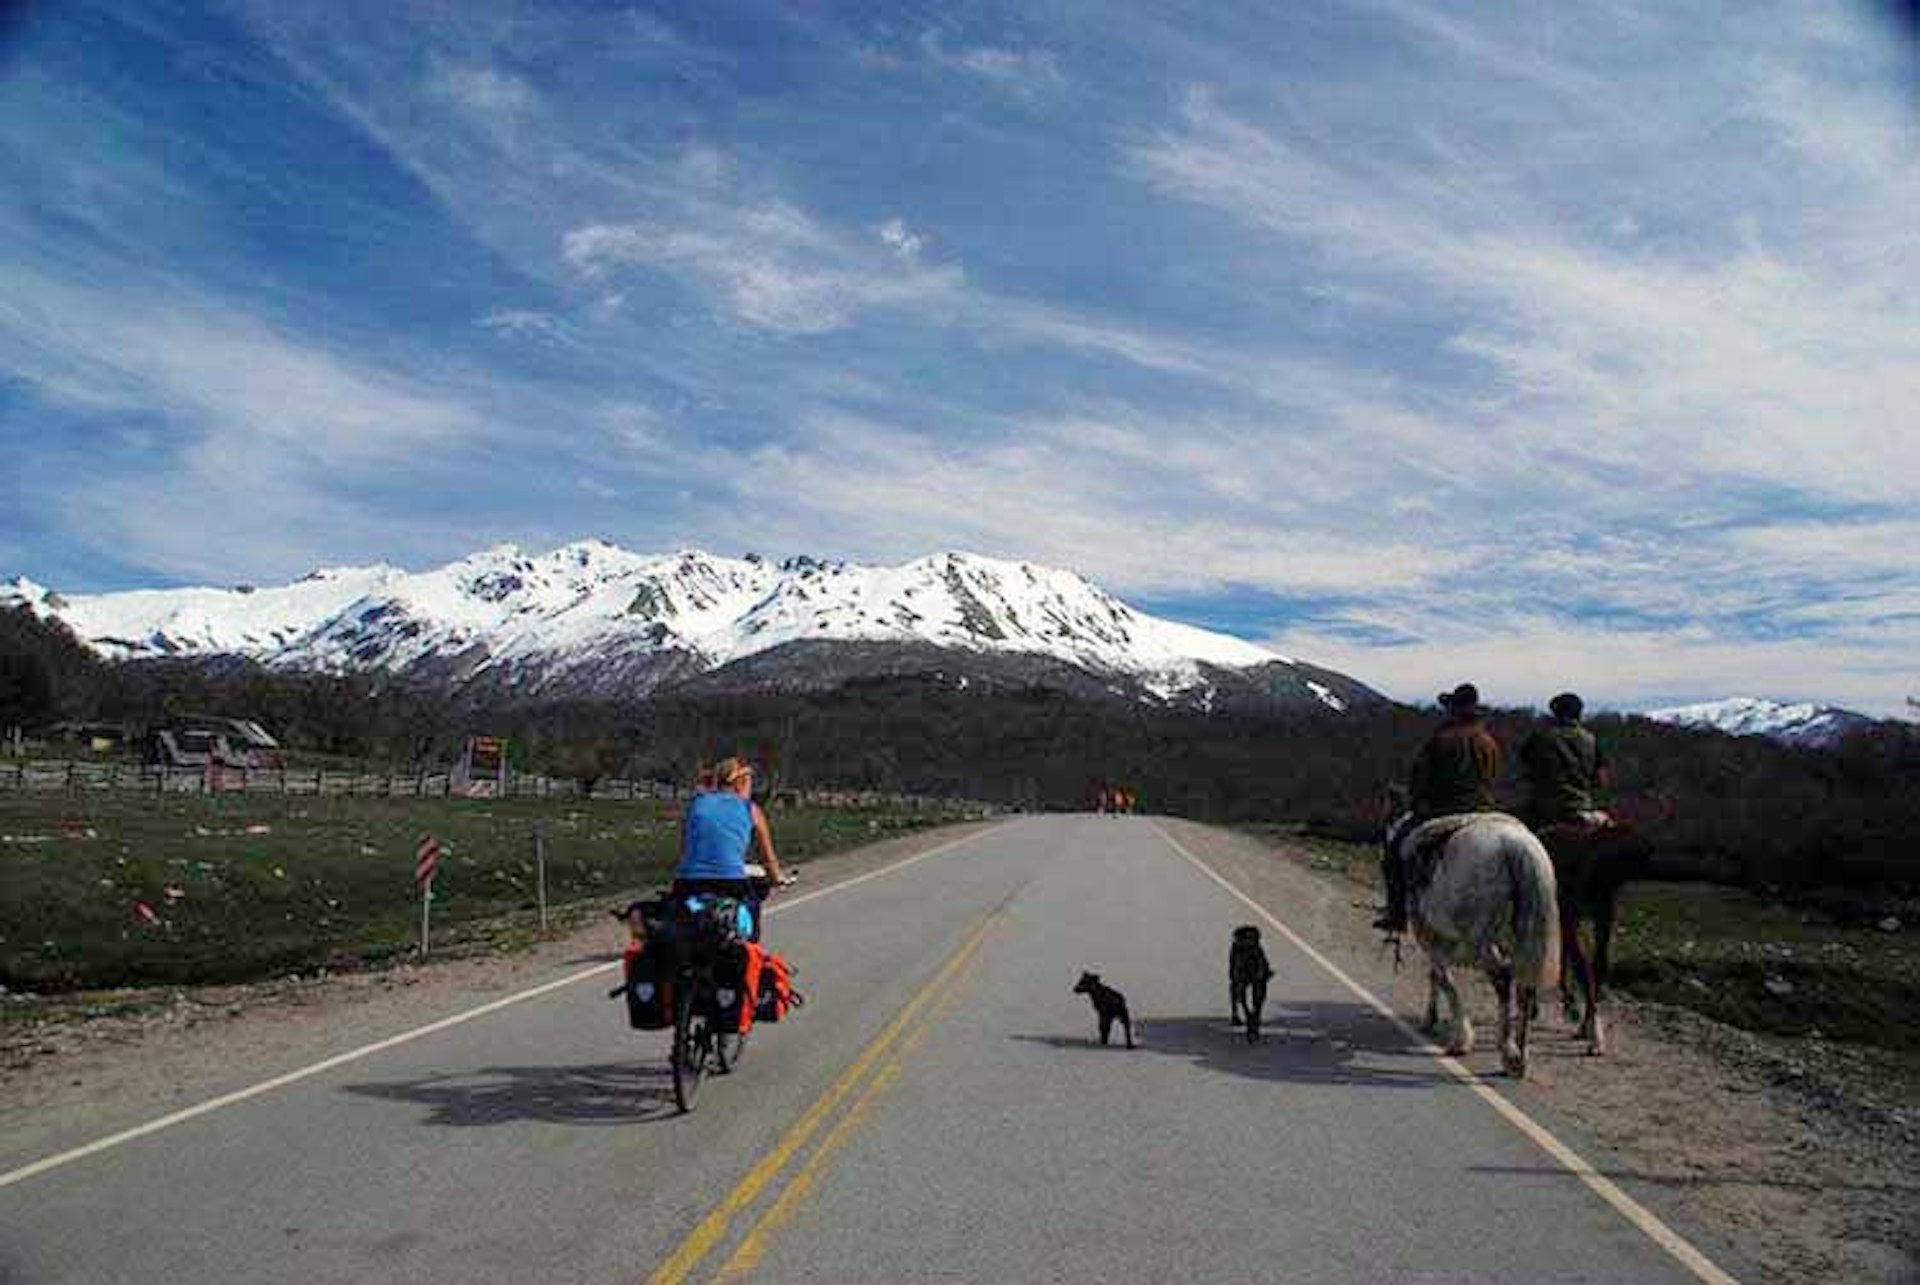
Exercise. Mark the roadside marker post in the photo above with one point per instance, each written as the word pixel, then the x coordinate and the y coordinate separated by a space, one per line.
pixel 425 862
pixel 540 869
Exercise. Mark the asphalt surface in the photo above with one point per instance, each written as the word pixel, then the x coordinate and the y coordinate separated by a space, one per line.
pixel 939 1110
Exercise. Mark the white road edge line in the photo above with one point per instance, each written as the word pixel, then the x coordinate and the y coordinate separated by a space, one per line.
pixel 1632 1210
pixel 378 1046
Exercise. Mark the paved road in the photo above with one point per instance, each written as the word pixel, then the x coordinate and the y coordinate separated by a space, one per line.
pixel 939 1111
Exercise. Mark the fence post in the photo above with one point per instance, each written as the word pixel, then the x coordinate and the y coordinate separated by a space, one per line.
pixel 540 869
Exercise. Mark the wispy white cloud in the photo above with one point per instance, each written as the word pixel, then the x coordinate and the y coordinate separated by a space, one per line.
pixel 1487 54
pixel 1622 400
pixel 906 244
pixel 1024 71
pixel 1058 491
pixel 487 92
pixel 775 267
pixel 262 428
pixel 1524 659
pixel 526 323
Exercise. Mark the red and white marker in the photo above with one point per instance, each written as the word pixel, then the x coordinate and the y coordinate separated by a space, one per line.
pixel 426 860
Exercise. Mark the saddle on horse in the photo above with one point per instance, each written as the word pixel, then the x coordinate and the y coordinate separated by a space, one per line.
pixel 1412 856
pixel 1580 825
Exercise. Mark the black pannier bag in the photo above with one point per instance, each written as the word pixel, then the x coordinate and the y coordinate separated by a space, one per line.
pixel 729 988
pixel 650 987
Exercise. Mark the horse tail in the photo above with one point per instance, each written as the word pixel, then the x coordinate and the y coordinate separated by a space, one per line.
pixel 1536 913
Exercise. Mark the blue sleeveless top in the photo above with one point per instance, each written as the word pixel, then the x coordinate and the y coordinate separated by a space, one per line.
pixel 719 826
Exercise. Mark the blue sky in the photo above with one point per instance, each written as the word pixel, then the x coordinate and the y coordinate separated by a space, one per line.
pixel 1543 346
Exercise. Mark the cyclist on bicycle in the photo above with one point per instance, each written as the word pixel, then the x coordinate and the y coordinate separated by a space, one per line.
pixel 720 827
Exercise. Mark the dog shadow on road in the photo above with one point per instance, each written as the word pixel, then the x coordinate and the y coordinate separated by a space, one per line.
pixel 619 1093
pixel 1312 1043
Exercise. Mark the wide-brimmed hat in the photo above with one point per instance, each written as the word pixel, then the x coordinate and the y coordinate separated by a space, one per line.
pixel 1567 705
pixel 1463 699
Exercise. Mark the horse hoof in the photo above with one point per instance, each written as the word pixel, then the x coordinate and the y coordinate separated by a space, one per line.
pixel 1459 1048
pixel 1515 1065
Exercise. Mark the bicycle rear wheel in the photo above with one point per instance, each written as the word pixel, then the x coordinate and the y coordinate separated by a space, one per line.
pixel 728 1048
pixel 692 1046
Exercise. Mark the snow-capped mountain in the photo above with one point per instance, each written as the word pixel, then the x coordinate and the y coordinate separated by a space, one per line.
pixel 1818 726
pixel 594 619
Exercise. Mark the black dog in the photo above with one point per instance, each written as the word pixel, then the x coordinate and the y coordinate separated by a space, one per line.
pixel 1247 975
pixel 1109 1005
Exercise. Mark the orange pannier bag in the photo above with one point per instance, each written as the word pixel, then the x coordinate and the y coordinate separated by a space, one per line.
pixel 750 983
pixel 776 994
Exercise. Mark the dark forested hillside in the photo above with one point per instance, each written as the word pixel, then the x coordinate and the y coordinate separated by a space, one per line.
pixel 1742 808
pixel 46 673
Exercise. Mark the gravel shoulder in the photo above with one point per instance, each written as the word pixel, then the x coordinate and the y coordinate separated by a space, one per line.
pixel 1779 1151
pixel 79 1067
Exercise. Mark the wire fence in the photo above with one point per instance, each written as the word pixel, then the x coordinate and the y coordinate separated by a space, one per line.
pixel 78 776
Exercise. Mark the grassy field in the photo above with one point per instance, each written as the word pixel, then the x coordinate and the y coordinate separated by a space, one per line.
pixel 1730 955
pixel 107 889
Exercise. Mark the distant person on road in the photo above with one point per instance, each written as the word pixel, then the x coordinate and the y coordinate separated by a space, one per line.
pixel 1453 773
pixel 1564 768
pixel 720 827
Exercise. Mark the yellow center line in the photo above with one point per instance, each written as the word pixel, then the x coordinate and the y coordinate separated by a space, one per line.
pixel 801 1185
pixel 713 1228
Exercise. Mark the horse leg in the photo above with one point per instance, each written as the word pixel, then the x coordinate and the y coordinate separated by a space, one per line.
pixel 1512 1058
pixel 1460 1041
pixel 1577 973
pixel 1603 913
pixel 1529 1002
pixel 1587 974
pixel 1573 961
pixel 1430 1025
pixel 1602 966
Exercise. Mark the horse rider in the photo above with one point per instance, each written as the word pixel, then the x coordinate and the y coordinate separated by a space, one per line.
pixel 1564 768
pixel 1453 773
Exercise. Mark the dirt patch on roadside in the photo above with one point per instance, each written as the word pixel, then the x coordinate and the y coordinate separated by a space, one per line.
pixel 81 1066
pixel 1779 1149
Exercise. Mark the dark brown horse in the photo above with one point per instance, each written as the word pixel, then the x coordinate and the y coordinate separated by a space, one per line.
pixel 1590 866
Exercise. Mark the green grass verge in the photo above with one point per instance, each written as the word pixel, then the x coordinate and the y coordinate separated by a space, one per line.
pixel 248 887
pixel 1731 955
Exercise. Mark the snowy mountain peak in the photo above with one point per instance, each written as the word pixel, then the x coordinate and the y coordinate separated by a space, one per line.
pixel 22 592
pixel 596 616
pixel 1801 723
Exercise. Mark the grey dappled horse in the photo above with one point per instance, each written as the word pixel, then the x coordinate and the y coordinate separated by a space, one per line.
pixel 1490 901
